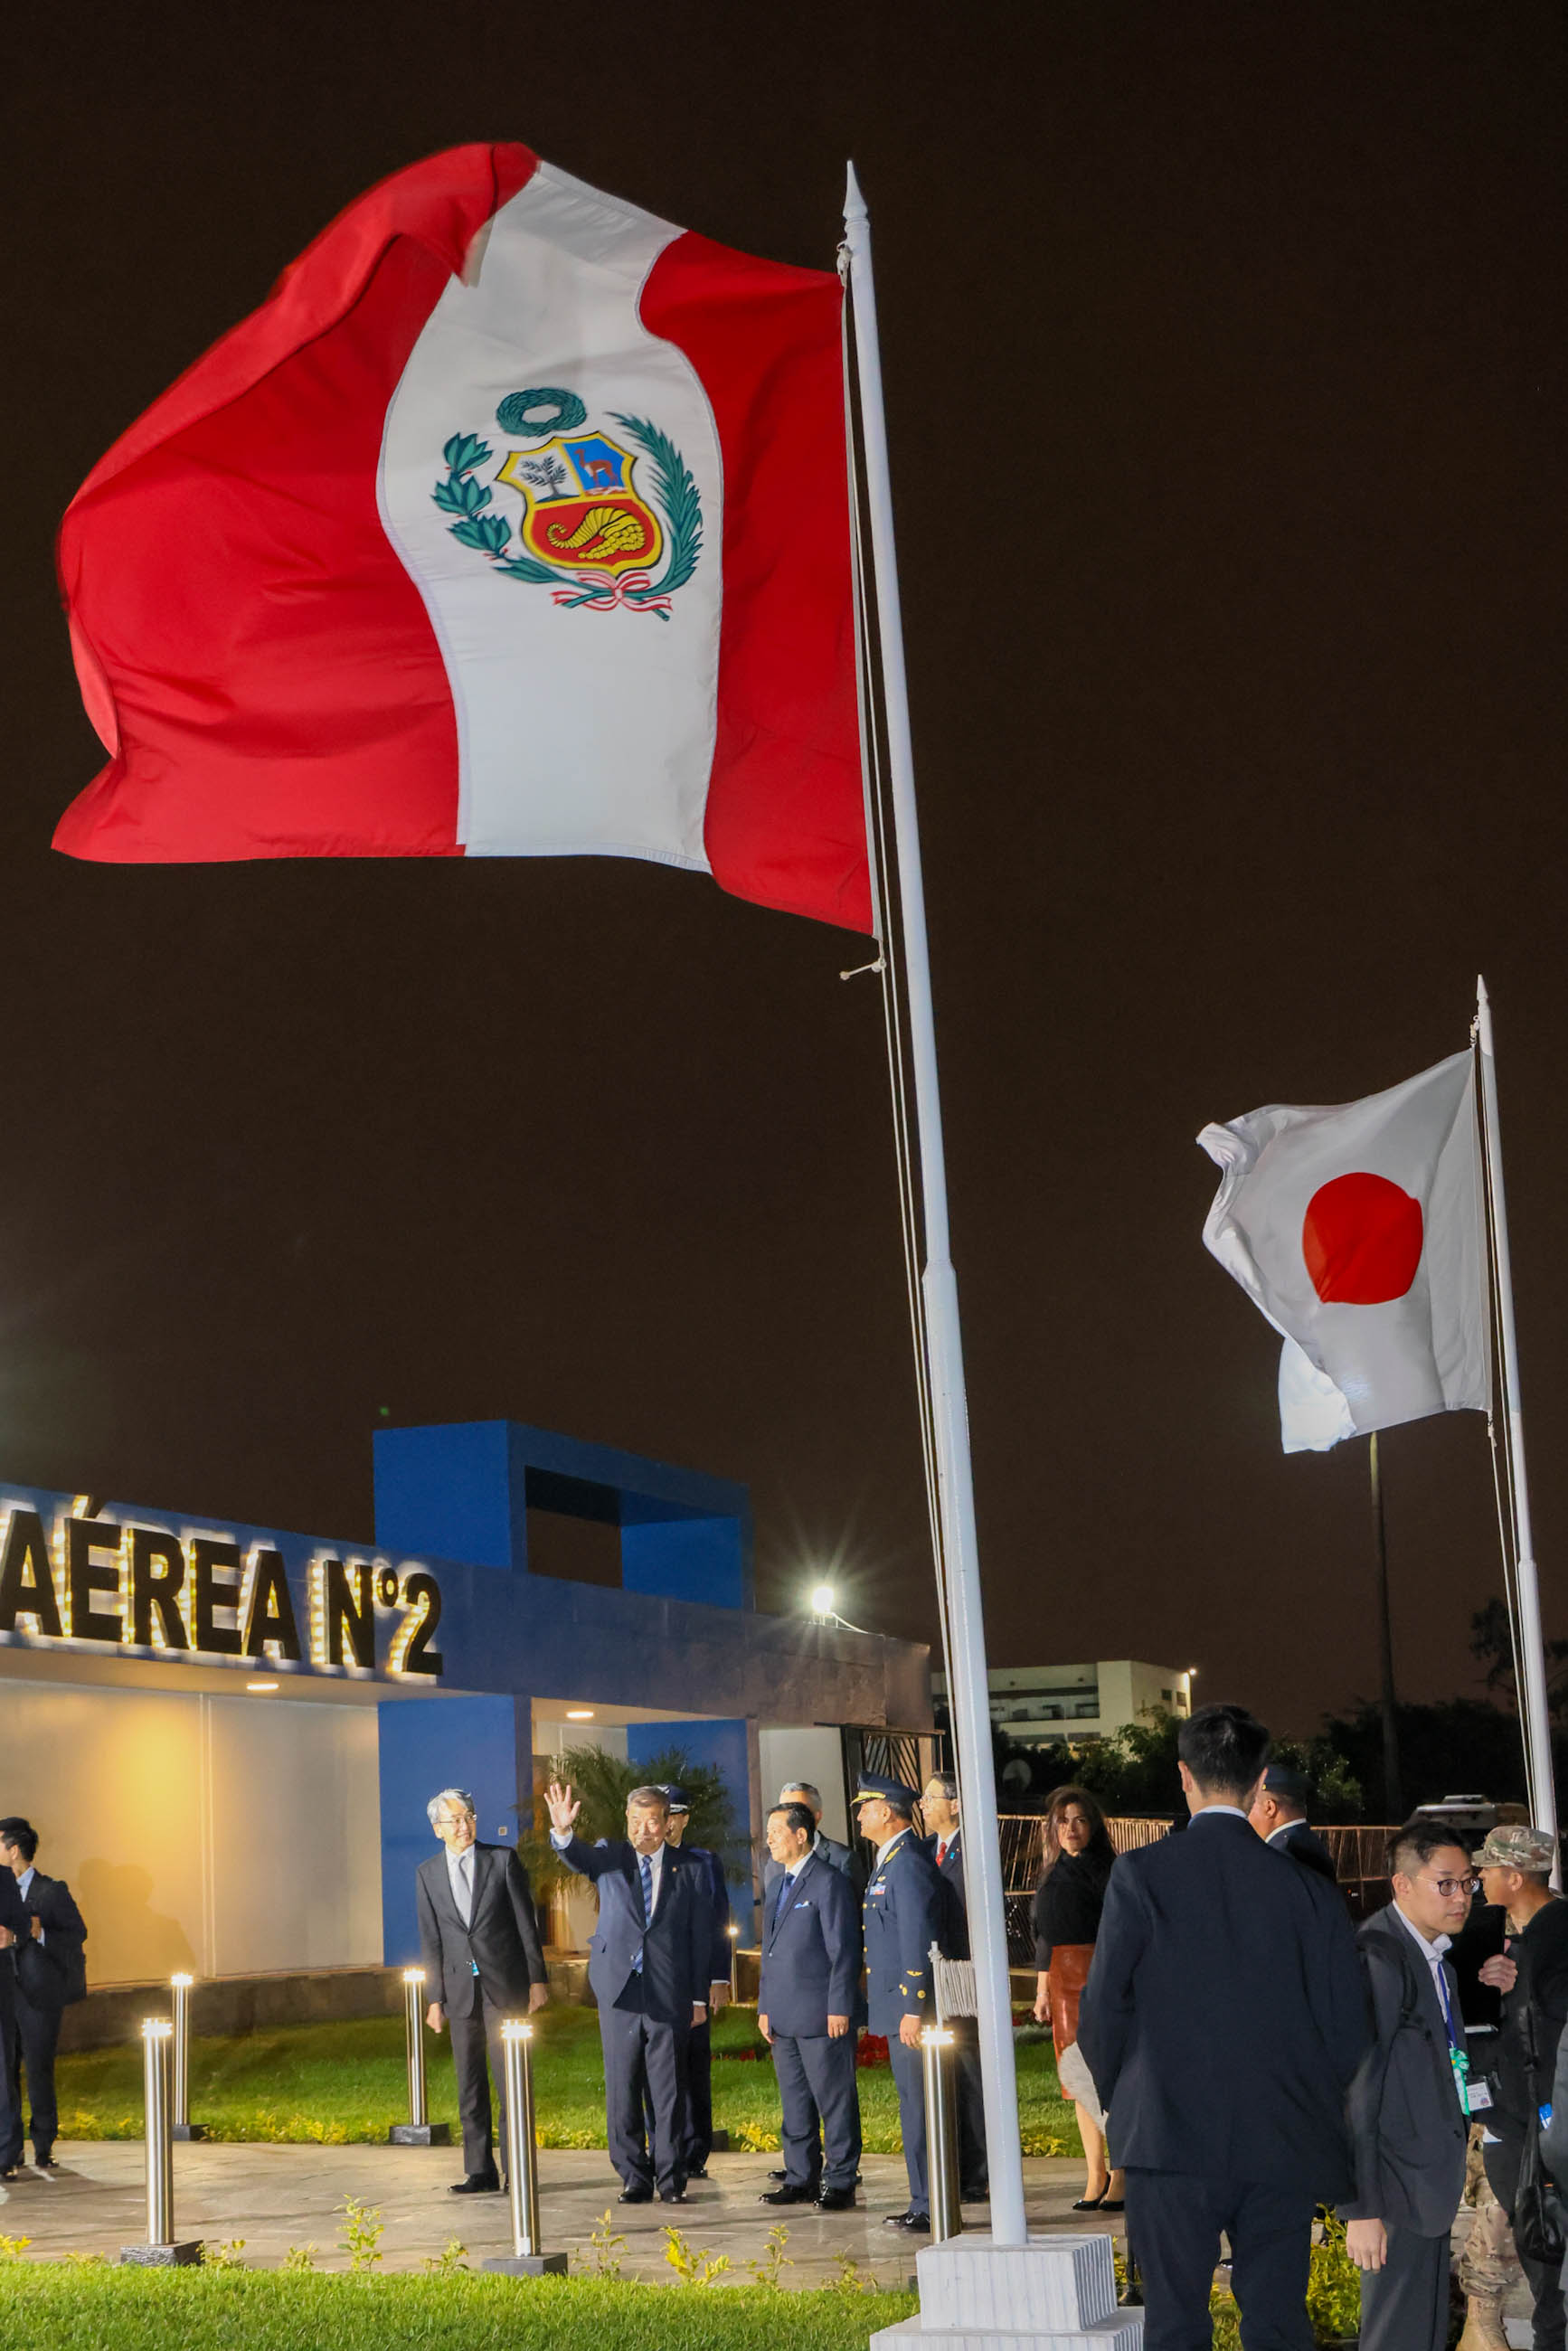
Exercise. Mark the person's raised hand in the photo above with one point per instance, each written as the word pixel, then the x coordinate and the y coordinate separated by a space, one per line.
pixel 909 2029
pixel 563 1806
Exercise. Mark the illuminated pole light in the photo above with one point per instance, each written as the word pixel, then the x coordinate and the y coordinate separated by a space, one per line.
pixel 733 1931
pixel 180 2127
pixel 161 2250
pixel 526 2258
pixel 419 2130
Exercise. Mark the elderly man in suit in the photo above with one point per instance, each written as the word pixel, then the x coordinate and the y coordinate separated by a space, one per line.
pixel 806 2008
pixel 944 1843
pixel 1223 2021
pixel 699 2141
pixel 826 1848
pixel 1410 2103
pixel 905 1903
pixel 648 1968
pixel 1279 1817
pixel 47 1971
pixel 479 1941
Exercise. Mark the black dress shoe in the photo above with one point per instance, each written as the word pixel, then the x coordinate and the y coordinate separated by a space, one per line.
pixel 976 2191
pixel 792 2192
pixel 918 2224
pixel 779 2175
pixel 1112 2204
pixel 10 2173
pixel 836 2200
pixel 477 2183
pixel 671 2195
pixel 635 2195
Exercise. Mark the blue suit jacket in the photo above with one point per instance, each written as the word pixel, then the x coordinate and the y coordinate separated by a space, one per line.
pixel 675 1943
pixel 810 1953
pixel 1226 2013
pixel 906 1908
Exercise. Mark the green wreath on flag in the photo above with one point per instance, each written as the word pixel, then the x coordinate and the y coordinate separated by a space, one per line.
pixel 674 489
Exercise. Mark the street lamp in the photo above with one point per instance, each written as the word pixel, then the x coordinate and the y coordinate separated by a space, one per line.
pixel 823 1603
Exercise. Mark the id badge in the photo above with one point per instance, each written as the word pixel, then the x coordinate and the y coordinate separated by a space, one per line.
pixel 1480 2094
pixel 1473 2095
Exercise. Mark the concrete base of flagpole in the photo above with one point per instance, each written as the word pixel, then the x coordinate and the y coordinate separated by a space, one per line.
pixel 419 2135
pixel 1055 2293
pixel 525 2264
pixel 181 2256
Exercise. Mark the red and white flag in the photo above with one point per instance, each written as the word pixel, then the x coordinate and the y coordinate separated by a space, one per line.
pixel 1358 1232
pixel 514 524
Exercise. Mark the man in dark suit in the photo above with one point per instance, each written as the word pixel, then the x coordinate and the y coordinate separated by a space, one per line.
pixel 1279 1817
pixel 699 2142
pixel 479 1941
pixel 648 1970
pixel 944 1843
pixel 905 1903
pixel 48 1972
pixel 1223 2019
pixel 826 1848
pixel 1410 2102
pixel 806 2006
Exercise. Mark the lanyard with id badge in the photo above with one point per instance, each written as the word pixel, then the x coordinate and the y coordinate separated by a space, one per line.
pixel 1475 2096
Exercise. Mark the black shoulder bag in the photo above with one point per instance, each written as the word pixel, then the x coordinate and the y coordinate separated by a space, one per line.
pixel 1539 2218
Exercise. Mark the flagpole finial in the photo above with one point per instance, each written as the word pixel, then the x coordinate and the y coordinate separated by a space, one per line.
pixel 1482 996
pixel 855 203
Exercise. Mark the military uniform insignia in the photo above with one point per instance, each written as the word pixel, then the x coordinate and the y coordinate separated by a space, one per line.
pixel 585 529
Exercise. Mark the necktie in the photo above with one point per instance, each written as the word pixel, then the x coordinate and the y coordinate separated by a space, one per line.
pixel 941 1851
pixel 465 1886
pixel 647 1869
pixel 781 1900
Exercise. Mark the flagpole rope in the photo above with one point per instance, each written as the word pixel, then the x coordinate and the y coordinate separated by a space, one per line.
pixel 886 968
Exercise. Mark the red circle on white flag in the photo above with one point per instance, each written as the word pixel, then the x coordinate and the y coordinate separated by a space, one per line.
pixel 1362 1237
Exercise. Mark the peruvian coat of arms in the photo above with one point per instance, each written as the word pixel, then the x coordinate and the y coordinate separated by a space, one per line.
pixel 586 528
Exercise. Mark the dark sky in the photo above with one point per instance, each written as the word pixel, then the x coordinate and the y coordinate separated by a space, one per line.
pixel 1224 349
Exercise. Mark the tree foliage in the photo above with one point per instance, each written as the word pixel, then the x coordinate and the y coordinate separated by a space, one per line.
pixel 604 1782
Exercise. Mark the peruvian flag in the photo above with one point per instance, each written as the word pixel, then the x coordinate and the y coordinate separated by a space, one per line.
pixel 514 524
pixel 1358 1232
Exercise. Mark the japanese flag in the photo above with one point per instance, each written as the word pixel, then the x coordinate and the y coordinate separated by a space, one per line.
pixel 1358 1232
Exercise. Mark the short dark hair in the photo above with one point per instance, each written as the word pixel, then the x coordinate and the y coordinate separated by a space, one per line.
pixel 1422 1835
pixel 21 1834
pixel 796 1817
pixel 1224 1748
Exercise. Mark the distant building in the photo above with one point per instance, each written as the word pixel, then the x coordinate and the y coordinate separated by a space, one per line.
pixel 1035 1704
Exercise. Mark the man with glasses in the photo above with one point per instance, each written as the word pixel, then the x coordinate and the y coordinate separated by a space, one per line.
pixel 1411 2102
pixel 1531 1974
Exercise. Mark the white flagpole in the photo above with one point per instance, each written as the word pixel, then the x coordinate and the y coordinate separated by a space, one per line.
pixel 1532 1703
pixel 968 1696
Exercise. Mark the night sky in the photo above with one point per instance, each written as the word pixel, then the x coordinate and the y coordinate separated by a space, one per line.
pixel 1224 351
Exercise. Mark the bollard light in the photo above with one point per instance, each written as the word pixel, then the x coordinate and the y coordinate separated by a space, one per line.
pixel 419 2130
pixel 733 1931
pixel 936 2058
pixel 162 2250
pixel 180 2127
pixel 526 2259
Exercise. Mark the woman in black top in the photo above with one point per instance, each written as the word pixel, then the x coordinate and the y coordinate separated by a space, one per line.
pixel 1076 1853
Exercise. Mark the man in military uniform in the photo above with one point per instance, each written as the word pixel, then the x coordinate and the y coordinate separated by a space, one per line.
pixel 904 1906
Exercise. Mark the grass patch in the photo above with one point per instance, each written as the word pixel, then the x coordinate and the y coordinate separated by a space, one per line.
pixel 334 2083
pixel 84 2308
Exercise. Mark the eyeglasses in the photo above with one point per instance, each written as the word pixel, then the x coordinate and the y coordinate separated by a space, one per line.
pixel 1448 1886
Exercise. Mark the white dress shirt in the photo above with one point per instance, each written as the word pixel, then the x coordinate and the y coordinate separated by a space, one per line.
pixel 1432 1952
pixel 22 1885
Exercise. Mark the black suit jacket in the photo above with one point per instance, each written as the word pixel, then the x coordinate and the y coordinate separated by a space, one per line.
pixel 810 1952
pixel 1305 1844
pixel 1226 2013
pixel 502 1939
pixel 954 1939
pixel 52 1974
pixel 1409 2133
pixel 675 1943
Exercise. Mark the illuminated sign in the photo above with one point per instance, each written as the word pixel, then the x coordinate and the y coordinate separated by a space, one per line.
pixel 145 1588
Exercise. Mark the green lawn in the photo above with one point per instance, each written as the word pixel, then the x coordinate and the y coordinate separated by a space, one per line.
pixel 335 2083
pixel 82 2308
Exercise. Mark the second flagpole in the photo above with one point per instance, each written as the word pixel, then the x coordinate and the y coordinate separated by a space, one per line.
pixel 968 1693
pixel 1533 1708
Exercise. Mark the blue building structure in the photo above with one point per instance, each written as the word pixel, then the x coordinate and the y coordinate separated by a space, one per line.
pixel 290 1703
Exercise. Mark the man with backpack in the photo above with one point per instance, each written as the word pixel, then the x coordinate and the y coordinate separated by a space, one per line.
pixel 1411 2101
pixel 1531 1974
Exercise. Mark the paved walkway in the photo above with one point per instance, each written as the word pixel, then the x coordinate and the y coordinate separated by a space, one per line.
pixel 277 2196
